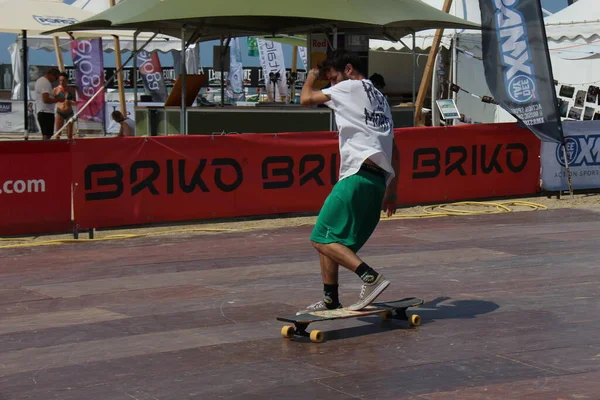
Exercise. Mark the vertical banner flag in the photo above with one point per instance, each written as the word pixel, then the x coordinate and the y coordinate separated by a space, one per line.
pixel 152 75
pixel 272 62
pixel 88 61
pixel 303 56
pixel 517 64
pixel 252 47
pixel 235 89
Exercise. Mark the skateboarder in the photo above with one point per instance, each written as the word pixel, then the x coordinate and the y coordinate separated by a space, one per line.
pixel 367 181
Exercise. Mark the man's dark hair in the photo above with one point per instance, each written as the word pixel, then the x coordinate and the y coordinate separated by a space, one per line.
pixel 64 75
pixel 338 61
pixel 118 116
pixel 54 71
pixel 377 80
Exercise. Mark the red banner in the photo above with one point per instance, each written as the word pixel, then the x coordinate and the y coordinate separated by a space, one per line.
pixel 128 181
pixel 467 162
pixel 35 187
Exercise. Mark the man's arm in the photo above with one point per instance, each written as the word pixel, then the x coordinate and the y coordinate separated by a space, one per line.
pixel 309 96
pixel 390 201
pixel 48 100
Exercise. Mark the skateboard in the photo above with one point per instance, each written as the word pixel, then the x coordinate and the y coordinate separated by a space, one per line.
pixel 384 309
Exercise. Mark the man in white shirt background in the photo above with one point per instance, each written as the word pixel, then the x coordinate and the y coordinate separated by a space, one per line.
pixel 45 102
pixel 368 176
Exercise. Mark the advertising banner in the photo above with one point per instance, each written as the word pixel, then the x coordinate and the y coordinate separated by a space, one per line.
pixel 129 181
pixel 583 151
pixel 273 65
pixel 35 187
pixel 88 61
pixel 152 75
pixel 517 64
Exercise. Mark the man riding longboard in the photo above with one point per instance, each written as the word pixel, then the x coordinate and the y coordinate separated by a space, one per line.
pixel 368 176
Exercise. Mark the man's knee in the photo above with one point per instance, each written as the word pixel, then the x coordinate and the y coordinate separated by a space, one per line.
pixel 318 246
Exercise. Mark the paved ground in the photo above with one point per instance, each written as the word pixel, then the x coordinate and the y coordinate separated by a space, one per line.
pixel 513 312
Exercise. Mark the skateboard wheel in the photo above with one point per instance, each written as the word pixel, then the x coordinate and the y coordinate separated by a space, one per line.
pixel 316 336
pixel 415 320
pixel 288 331
pixel 386 315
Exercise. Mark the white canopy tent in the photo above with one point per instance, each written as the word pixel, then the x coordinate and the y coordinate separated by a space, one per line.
pixel 29 18
pixel 161 43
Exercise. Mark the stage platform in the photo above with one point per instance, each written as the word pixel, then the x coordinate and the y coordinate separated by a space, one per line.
pixel 512 312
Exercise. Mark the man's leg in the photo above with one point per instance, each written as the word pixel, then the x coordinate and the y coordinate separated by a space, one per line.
pixel 347 220
pixel 329 273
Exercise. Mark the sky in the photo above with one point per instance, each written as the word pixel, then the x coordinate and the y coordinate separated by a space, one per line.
pixel 40 57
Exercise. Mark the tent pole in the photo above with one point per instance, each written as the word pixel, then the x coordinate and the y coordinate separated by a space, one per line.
pixel 183 129
pixel 25 82
pixel 59 56
pixel 427 74
pixel 117 42
pixel 414 77
pixel 135 71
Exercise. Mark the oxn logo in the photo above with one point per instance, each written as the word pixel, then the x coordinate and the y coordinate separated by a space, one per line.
pixel 519 76
pixel 46 20
pixel 581 151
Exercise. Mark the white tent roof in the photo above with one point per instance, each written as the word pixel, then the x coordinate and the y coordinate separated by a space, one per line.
pixel 580 20
pixel 574 32
pixel 78 11
pixel 37 16
pixel 465 9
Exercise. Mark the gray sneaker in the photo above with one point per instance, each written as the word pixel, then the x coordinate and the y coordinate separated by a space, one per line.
pixel 369 292
pixel 318 306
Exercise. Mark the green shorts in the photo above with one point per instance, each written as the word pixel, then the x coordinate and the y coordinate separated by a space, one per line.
pixel 351 212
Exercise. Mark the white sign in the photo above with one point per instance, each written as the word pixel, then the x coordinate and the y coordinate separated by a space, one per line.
pixel 45 20
pixel 12 121
pixel 448 109
pixel 583 153
pixel 272 62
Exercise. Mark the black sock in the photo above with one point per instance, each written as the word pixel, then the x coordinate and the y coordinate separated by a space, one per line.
pixel 366 273
pixel 331 296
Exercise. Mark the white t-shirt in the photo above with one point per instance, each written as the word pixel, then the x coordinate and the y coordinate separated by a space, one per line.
pixel 131 124
pixel 42 86
pixel 365 124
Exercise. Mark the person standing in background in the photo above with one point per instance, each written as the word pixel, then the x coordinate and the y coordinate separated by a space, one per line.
pixel 45 102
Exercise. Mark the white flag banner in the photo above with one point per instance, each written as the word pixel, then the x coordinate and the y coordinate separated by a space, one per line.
pixel 303 56
pixel 271 61
pixel 235 87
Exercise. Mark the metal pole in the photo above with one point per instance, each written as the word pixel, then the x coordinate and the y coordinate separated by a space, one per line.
pixel 222 65
pixel 335 39
pixel 135 71
pixel 564 146
pixel 25 82
pixel 414 73
pixel 183 83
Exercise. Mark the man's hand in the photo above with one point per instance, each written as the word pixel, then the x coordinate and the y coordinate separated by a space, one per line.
pixel 389 203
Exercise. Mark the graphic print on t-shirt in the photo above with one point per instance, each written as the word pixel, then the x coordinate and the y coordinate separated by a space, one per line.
pixel 377 117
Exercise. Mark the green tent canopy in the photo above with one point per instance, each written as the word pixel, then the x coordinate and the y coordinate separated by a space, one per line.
pixel 210 19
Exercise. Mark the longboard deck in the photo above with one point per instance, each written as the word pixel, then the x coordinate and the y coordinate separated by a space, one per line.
pixel 342 313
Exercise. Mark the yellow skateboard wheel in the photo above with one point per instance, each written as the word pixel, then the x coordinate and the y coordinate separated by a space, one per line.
pixel 288 331
pixel 316 336
pixel 415 320
pixel 386 315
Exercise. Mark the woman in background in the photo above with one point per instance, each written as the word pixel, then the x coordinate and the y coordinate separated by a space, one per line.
pixel 64 110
